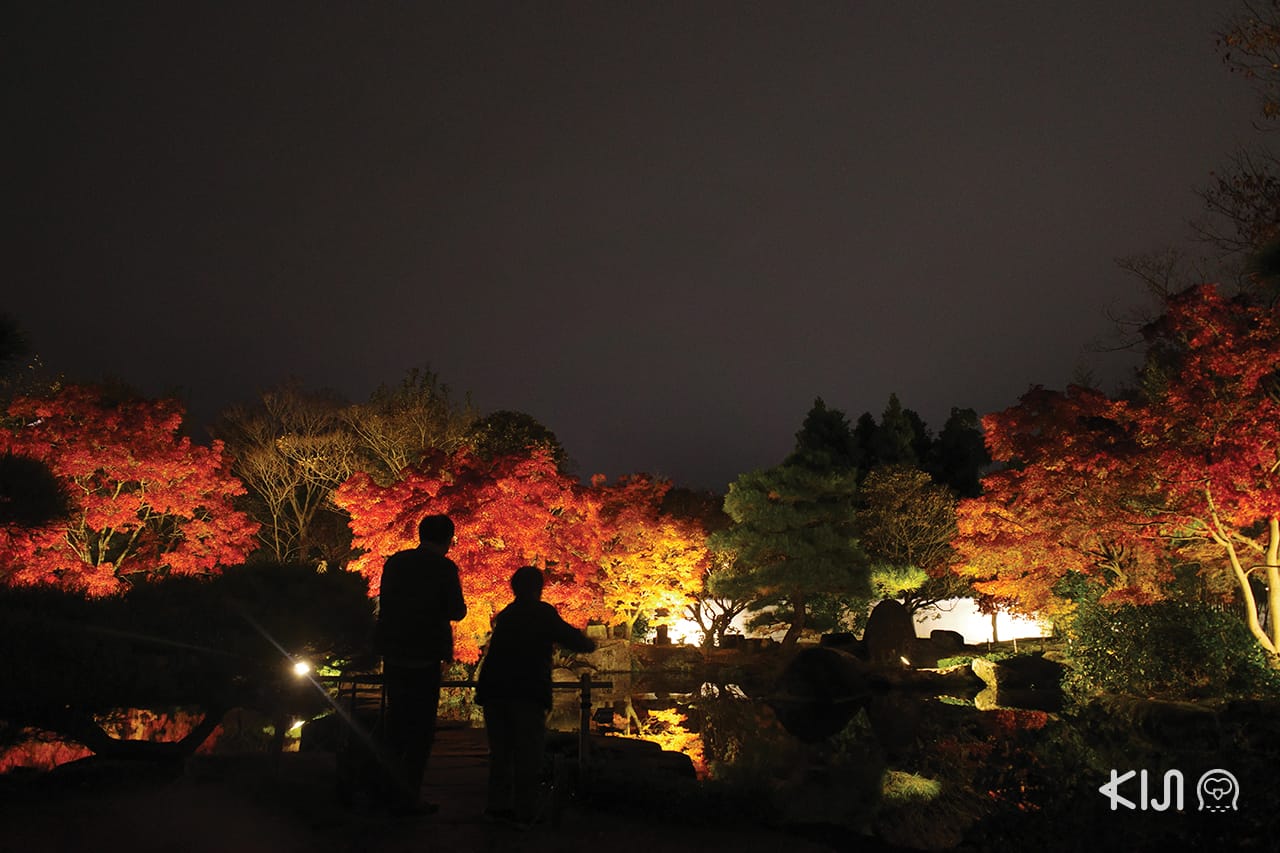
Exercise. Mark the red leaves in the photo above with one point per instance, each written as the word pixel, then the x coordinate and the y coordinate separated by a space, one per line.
pixel 1072 499
pixel 1213 434
pixel 146 501
pixel 607 550
pixel 1107 487
pixel 508 512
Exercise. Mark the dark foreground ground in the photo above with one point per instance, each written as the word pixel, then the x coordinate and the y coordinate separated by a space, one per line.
pixel 247 804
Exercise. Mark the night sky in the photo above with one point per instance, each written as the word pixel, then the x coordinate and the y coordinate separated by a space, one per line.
pixel 660 228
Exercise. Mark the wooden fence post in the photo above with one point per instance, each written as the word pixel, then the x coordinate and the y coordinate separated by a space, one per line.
pixel 584 727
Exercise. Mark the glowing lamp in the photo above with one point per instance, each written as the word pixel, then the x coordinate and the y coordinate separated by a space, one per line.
pixel 301 668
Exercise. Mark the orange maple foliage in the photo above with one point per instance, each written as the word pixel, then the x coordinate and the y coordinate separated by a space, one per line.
pixel 667 728
pixel 145 500
pixel 508 512
pixel 653 564
pixel 38 750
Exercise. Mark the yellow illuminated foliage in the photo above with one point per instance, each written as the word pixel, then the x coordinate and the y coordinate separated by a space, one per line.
pixel 652 564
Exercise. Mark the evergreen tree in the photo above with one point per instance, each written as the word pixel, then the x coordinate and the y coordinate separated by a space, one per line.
pixel 825 441
pixel 897 436
pixel 791 543
pixel 864 436
pixel 960 454
pixel 510 433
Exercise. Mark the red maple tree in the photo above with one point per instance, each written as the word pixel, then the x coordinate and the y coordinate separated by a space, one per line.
pixel 1189 468
pixel 1067 500
pixel 1210 438
pixel 145 501
pixel 509 511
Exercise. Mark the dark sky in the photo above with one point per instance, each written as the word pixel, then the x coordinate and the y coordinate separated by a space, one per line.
pixel 661 228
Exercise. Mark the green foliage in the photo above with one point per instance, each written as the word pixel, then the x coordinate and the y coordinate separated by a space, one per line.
pixel 965 660
pixel 955 459
pixel 891 581
pixel 960 454
pixel 825 441
pixel 901 438
pixel 507 433
pixel 792 540
pixel 898 785
pixel 31 495
pixel 641 629
pixel 1171 650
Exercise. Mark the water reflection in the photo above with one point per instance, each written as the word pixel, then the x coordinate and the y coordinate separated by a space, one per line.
pixel 896 764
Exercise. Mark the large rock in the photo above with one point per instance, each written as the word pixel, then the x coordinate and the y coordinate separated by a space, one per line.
pixel 896 719
pixel 609 656
pixel 890 633
pixel 947 641
pixel 925 653
pixel 1030 682
pixel 668 659
pixel 845 641
pixel 1029 672
pixel 1163 723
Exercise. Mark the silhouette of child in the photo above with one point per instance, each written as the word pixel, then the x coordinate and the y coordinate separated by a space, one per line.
pixel 514 688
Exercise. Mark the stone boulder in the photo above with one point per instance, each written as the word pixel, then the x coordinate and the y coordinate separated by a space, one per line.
pixel 669 659
pixel 1029 672
pixel 924 653
pixel 845 642
pixel 1166 724
pixel 609 656
pixel 890 634
pixel 1029 681
pixel 950 642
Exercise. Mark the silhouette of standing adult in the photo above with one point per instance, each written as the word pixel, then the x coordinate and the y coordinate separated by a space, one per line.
pixel 420 597
pixel 514 688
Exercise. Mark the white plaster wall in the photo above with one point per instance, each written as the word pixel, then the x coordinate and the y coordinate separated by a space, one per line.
pixel 961 614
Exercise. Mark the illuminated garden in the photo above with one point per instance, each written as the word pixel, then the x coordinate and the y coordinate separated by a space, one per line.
pixel 1052 627
pixel 159 592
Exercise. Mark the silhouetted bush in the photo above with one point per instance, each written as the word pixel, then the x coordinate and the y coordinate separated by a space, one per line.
pixel 216 642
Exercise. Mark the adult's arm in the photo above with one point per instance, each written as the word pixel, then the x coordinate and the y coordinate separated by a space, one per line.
pixel 570 637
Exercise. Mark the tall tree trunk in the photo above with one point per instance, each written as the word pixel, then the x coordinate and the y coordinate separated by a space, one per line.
pixel 1271 626
pixel 798 619
pixel 995 631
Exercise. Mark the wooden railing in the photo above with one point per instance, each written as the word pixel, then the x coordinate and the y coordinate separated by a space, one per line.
pixel 360 688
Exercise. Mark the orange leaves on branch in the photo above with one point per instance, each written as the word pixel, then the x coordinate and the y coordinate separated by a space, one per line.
pixel 145 500
pixel 652 562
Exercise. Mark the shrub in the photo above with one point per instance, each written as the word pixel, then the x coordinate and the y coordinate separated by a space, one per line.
pixel 1169 650
pixel 967 659
pixel 212 642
